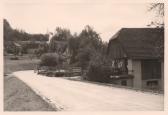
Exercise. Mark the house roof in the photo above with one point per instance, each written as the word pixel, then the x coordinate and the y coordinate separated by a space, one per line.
pixel 139 43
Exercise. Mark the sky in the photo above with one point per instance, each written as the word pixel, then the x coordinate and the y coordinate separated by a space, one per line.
pixel 105 17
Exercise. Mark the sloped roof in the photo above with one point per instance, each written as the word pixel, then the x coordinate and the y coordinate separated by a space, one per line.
pixel 139 43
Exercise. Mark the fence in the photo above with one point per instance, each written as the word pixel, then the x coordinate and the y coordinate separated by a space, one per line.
pixel 67 71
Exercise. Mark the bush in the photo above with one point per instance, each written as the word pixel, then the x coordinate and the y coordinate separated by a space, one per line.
pixel 98 70
pixel 49 59
pixel 14 58
pixel 59 74
pixel 98 73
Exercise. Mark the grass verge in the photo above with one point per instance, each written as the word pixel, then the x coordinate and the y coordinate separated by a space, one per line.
pixel 17 95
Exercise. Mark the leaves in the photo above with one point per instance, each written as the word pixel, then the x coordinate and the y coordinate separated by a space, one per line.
pixel 83 46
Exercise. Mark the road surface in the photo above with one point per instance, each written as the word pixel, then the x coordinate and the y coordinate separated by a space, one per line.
pixel 80 96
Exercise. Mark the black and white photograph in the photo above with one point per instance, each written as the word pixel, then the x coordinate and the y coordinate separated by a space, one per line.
pixel 83 55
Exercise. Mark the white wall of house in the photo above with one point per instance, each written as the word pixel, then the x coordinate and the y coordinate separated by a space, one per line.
pixel 137 80
pixel 130 67
pixel 135 69
pixel 119 82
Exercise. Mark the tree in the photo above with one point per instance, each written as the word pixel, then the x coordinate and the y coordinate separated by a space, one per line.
pixel 84 56
pixel 83 46
pixel 61 35
pixel 158 8
pixel 73 46
pixel 14 35
pixel 43 48
pixel 11 34
pixel 89 43
pixel 7 30
pixel 89 37
pixel 98 68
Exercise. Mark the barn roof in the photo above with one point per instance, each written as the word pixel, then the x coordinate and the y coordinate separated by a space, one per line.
pixel 139 43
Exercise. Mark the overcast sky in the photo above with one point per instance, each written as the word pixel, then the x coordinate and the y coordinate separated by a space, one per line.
pixel 105 17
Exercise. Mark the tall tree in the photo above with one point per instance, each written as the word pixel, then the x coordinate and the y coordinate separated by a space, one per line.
pixel 58 40
pixel 61 34
pixel 90 37
pixel 73 46
pixel 89 43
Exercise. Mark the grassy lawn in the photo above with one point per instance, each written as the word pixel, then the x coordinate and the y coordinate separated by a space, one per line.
pixel 17 95
pixel 24 63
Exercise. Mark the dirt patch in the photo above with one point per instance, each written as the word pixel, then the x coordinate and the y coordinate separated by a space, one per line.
pixel 19 97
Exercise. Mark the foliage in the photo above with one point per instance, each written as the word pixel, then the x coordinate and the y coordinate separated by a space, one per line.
pixel 83 46
pixel 98 69
pixel 89 37
pixel 11 34
pixel 42 48
pixel 84 56
pixel 7 30
pixel 14 58
pixel 73 46
pixel 15 35
pixel 61 36
pixel 49 59
pixel 80 47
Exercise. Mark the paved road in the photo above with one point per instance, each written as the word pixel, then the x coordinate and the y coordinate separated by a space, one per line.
pixel 79 96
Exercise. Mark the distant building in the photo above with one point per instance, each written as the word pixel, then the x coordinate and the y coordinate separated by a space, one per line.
pixel 137 57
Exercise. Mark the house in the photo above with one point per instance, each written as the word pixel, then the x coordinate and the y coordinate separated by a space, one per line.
pixel 137 57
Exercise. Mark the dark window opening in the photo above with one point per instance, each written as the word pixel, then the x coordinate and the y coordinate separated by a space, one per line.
pixel 152 83
pixel 151 69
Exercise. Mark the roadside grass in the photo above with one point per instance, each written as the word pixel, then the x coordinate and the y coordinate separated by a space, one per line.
pixel 17 95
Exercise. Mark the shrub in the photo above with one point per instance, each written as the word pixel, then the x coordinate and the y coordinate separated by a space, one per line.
pixel 59 74
pixel 98 70
pixel 14 58
pixel 49 59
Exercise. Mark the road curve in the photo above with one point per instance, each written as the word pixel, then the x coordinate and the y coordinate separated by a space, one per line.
pixel 80 96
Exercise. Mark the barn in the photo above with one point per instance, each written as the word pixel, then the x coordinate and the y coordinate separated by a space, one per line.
pixel 137 57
